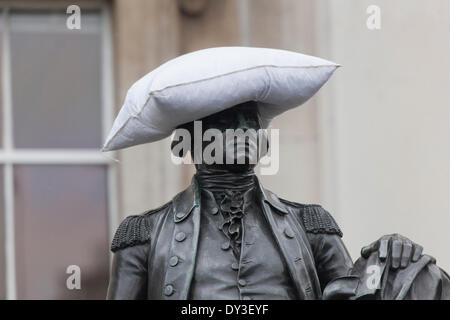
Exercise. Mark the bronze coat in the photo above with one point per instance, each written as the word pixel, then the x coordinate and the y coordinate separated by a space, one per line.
pixel 306 235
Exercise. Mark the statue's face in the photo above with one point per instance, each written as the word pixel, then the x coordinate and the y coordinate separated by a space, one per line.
pixel 238 153
pixel 243 117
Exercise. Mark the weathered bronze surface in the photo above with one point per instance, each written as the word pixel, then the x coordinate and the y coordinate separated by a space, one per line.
pixel 226 237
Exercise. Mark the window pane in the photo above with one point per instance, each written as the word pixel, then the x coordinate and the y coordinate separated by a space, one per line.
pixel 60 220
pixel 2 239
pixel 56 81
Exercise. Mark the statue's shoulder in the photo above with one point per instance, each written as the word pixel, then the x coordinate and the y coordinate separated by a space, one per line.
pixel 315 218
pixel 136 229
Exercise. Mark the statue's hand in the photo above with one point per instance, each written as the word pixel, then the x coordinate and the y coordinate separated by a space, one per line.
pixel 401 249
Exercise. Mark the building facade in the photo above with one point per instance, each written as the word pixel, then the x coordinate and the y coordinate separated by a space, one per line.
pixel 372 146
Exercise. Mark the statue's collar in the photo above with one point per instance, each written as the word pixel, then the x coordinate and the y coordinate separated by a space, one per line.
pixel 189 199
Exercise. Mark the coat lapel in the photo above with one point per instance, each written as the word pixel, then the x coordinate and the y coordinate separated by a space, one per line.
pixel 291 243
pixel 180 267
pixel 183 248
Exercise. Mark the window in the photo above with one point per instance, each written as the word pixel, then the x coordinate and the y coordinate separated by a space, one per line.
pixel 56 188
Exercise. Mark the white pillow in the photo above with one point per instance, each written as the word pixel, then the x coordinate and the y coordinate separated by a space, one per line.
pixel 204 82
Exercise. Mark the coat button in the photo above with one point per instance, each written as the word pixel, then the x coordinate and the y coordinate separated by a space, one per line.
pixel 289 233
pixel 168 290
pixel 214 210
pixel 173 261
pixel 242 282
pixel 180 236
pixel 235 266
pixel 225 246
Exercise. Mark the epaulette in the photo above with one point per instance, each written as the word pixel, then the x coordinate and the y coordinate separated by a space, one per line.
pixel 317 220
pixel 133 230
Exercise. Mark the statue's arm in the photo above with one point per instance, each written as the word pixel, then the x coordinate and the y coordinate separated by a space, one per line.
pixel 331 257
pixel 129 274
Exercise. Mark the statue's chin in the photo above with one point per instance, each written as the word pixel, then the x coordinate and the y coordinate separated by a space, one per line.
pixel 240 167
pixel 244 159
pixel 230 167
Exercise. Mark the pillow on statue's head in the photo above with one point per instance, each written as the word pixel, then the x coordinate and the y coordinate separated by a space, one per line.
pixel 204 82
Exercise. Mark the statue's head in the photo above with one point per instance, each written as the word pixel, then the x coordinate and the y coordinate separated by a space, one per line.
pixel 229 139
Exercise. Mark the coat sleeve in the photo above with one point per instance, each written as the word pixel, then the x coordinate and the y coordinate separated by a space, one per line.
pixel 129 274
pixel 331 257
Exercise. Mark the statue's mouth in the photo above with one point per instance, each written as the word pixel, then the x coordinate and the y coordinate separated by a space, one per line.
pixel 244 152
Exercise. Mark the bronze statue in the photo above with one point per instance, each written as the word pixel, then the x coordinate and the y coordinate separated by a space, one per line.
pixel 226 237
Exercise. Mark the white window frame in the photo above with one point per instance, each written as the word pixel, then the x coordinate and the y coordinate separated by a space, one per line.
pixel 10 156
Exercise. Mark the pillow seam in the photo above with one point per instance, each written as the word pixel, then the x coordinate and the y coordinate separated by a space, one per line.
pixel 152 93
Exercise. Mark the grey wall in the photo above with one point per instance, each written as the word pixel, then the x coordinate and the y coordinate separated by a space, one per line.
pixel 372 147
pixel 385 121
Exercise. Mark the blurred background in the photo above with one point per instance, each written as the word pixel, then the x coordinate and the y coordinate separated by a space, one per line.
pixel 373 146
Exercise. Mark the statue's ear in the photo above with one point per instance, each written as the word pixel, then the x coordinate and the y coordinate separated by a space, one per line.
pixel 181 143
